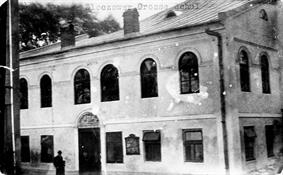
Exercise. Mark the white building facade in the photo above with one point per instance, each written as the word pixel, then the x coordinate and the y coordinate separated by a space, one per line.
pixel 186 91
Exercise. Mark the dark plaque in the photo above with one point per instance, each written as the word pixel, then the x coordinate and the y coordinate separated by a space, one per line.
pixel 132 145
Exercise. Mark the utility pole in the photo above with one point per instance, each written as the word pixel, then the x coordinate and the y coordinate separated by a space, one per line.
pixel 9 89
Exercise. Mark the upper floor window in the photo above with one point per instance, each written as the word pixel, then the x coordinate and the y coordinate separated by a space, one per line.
pixel 244 71
pixel 189 77
pixel 24 93
pixel 263 15
pixel 46 91
pixel 265 74
pixel 148 73
pixel 82 87
pixel 109 83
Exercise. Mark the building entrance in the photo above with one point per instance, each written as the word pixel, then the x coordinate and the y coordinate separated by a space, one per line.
pixel 89 151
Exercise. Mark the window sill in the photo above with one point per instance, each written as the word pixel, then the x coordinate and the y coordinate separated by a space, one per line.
pixel 246 91
pixel 46 109
pixel 195 162
pixel 114 162
pixel 110 101
pixel 191 93
pixel 149 97
pixel 77 104
pixel 266 93
pixel 152 161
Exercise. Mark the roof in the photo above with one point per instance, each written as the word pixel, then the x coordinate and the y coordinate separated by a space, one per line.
pixel 188 13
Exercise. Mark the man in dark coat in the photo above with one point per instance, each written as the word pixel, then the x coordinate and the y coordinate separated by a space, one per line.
pixel 59 164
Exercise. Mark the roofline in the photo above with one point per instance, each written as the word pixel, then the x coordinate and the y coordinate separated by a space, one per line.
pixel 52 44
pixel 131 37
pixel 241 9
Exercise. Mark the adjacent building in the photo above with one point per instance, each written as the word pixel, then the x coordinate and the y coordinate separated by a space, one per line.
pixel 194 89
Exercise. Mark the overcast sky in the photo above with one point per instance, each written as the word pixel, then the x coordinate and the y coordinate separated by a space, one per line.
pixel 116 7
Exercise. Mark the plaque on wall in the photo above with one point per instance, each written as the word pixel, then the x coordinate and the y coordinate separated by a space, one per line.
pixel 88 120
pixel 132 145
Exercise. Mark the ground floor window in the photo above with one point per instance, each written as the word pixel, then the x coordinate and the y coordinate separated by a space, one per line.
pixel 152 145
pixel 25 149
pixel 193 145
pixel 269 134
pixel 249 141
pixel 114 147
pixel 47 151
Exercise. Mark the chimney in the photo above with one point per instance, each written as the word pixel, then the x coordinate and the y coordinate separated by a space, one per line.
pixel 67 35
pixel 131 21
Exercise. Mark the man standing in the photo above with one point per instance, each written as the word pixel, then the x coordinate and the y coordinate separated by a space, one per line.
pixel 59 164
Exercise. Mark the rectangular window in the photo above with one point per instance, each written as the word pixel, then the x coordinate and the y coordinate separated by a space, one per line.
pixel 269 134
pixel 47 152
pixel 245 80
pixel 25 150
pixel 249 140
pixel 244 70
pixel 193 145
pixel 114 147
pixel 152 145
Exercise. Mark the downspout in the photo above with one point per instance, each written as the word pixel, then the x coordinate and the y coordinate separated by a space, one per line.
pixel 281 149
pixel 11 85
pixel 222 95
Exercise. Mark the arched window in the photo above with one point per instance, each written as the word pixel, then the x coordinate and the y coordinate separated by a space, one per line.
pixel 170 14
pixel 82 87
pixel 265 74
pixel 189 77
pixel 109 83
pixel 244 71
pixel 24 93
pixel 46 91
pixel 148 73
pixel 263 15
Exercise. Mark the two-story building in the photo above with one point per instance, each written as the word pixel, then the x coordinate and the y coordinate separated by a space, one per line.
pixel 194 89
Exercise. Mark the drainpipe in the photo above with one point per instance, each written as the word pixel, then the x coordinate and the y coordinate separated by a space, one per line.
pixel 281 128
pixel 11 85
pixel 222 95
